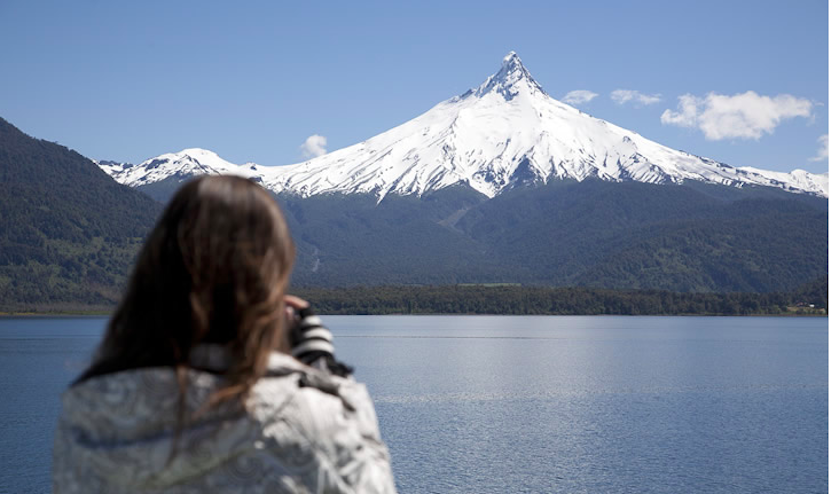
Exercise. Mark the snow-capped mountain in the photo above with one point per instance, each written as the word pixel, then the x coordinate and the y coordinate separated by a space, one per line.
pixel 503 133
pixel 183 164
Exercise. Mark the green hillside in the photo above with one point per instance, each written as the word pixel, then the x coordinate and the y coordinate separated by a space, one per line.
pixel 68 232
pixel 689 238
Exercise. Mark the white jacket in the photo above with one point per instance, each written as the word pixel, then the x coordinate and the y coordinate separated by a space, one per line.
pixel 303 430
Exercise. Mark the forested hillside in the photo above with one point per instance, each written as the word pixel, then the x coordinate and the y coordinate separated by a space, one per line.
pixel 68 232
pixel 689 238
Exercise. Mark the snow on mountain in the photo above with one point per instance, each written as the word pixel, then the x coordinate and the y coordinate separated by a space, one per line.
pixel 503 133
pixel 184 164
pixel 796 181
pixel 112 168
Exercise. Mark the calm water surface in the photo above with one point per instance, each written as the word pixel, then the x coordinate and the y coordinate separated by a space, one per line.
pixel 502 404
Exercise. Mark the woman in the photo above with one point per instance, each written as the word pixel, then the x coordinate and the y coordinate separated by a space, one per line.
pixel 194 387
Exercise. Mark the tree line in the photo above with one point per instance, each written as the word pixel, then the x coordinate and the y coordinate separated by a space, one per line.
pixel 528 300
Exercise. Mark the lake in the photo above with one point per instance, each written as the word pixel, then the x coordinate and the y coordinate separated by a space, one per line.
pixel 504 404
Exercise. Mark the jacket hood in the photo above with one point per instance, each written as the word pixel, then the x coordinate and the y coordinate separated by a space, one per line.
pixel 125 425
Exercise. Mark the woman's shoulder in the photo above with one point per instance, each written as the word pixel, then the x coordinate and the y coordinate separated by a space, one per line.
pixel 324 419
pixel 315 399
pixel 330 412
pixel 297 420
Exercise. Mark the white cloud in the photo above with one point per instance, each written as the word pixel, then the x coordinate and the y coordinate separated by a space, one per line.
pixel 688 114
pixel 579 96
pixel 623 96
pixel 822 149
pixel 314 146
pixel 742 116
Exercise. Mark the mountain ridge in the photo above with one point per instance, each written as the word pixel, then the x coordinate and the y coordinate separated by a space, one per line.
pixel 505 132
pixel 68 232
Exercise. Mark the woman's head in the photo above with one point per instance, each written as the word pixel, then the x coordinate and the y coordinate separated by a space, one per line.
pixel 213 270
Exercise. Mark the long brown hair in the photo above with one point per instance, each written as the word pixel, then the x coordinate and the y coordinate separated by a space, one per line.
pixel 213 270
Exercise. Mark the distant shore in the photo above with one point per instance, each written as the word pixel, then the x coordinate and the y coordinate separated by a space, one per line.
pixel 535 300
pixel 512 299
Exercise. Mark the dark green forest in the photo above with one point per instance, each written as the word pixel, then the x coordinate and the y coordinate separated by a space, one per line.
pixel 68 232
pixel 519 300
pixel 684 238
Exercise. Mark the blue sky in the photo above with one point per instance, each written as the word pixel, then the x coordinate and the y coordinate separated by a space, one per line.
pixel 253 80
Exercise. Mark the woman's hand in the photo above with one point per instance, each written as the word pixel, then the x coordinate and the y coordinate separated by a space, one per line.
pixel 293 305
pixel 295 302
